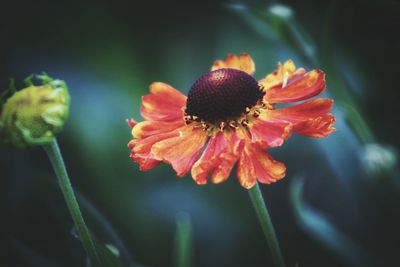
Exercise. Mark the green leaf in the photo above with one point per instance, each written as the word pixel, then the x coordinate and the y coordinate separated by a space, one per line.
pixel 323 231
pixel 109 255
pixel 103 227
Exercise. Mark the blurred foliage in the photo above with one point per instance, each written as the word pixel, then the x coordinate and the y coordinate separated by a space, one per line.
pixel 323 230
pixel 110 51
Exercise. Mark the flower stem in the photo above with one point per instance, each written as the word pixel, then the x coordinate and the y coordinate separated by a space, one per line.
pixel 183 242
pixel 54 154
pixel 266 225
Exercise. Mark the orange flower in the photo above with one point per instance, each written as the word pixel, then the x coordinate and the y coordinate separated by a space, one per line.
pixel 227 118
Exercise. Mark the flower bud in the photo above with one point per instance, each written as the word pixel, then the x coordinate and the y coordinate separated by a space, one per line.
pixel 378 159
pixel 33 115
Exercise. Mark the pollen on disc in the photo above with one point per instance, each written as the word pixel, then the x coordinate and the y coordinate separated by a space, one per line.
pixel 222 94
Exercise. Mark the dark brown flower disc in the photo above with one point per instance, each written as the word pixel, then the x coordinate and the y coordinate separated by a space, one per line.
pixel 222 94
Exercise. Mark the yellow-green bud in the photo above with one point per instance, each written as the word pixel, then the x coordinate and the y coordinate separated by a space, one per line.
pixel 33 115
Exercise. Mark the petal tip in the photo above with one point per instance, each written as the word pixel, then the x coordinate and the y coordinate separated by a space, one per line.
pixel 131 122
pixel 243 62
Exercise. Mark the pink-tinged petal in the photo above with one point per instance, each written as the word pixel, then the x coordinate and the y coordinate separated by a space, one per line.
pixel 243 62
pixel 218 158
pixel 131 122
pixel 319 127
pixel 255 163
pixel 224 168
pixel 181 151
pixel 304 111
pixel 204 165
pixel 266 168
pixel 310 84
pixel 310 118
pixel 245 170
pixel 164 103
pixel 147 128
pixel 270 133
pixel 144 160
pixel 144 145
pixel 141 149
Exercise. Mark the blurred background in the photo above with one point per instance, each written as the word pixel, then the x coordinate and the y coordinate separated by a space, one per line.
pixel 339 202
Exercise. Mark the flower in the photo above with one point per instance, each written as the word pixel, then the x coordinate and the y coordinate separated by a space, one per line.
pixel 33 115
pixel 230 118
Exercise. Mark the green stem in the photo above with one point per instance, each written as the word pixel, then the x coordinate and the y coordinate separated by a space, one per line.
pixel 266 225
pixel 54 154
pixel 183 240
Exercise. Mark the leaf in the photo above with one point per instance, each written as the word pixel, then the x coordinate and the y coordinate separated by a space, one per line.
pixel 109 255
pixel 106 229
pixel 323 231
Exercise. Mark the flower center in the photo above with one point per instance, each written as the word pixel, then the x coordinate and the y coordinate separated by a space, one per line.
pixel 222 95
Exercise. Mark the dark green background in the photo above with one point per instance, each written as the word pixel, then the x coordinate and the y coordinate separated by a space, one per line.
pixel 110 51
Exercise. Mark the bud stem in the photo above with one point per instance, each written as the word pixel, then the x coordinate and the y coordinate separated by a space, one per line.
pixel 54 154
pixel 266 225
pixel 183 242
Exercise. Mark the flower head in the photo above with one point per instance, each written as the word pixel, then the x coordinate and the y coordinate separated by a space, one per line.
pixel 230 118
pixel 33 115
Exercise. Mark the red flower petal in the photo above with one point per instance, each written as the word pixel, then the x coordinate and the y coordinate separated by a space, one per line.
pixel 148 128
pixel 243 62
pixel 270 133
pixel 145 162
pixel 245 171
pixel 131 122
pixel 255 163
pixel 181 151
pixel 304 111
pixel 319 127
pixel 286 71
pixel 165 103
pixel 310 118
pixel 218 158
pixel 141 148
pixel 310 84
pixel 224 168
